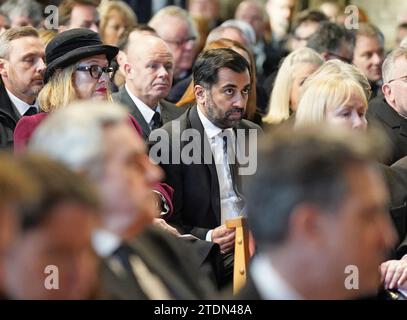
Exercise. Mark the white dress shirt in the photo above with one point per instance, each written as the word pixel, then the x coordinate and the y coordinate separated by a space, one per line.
pixel 231 204
pixel 144 109
pixel 105 243
pixel 268 281
pixel 21 106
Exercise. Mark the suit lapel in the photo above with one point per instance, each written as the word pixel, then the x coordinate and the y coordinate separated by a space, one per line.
pixel 135 112
pixel 6 106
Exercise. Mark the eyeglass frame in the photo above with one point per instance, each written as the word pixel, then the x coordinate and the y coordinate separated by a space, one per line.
pixel 105 70
pixel 399 78
pixel 181 43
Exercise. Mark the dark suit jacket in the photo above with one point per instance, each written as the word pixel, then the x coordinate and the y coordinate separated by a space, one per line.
pixel 169 111
pixel 8 119
pixel 196 188
pixel 394 125
pixel 173 260
pixel 396 178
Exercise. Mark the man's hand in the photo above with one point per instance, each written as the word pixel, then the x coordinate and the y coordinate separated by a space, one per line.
pixel 225 237
pixel 161 223
pixel 394 274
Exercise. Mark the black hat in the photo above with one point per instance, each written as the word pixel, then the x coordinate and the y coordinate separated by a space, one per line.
pixel 73 45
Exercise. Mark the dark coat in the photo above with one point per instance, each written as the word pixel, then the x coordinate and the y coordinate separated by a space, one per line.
pixel 169 111
pixel 394 125
pixel 9 117
pixel 173 260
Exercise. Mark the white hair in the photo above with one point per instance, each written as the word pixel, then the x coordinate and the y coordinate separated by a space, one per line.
pixel 246 29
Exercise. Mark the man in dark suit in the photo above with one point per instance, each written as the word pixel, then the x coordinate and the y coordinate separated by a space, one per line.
pixel 390 111
pixel 21 69
pixel 317 203
pixel 140 261
pixel 149 71
pixel 207 189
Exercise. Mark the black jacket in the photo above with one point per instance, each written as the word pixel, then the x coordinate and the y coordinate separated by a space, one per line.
pixel 9 117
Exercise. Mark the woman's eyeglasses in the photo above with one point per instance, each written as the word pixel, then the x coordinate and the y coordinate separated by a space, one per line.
pixel 96 71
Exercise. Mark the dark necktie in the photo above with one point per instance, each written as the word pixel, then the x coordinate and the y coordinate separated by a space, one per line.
pixel 31 111
pixel 156 121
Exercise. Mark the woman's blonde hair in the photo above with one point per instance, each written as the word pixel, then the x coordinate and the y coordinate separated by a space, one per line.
pixel 329 87
pixel 188 97
pixel 60 91
pixel 279 105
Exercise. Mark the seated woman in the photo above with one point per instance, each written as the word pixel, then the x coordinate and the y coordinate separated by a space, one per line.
pixel 337 93
pixel 295 69
pixel 78 68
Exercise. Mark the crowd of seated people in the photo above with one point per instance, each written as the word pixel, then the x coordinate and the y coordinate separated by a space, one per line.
pixel 133 133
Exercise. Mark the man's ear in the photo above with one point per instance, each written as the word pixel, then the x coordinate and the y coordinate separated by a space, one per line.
pixel 307 224
pixel 121 60
pixel 200 94
pixel 388 92
pixel 128 70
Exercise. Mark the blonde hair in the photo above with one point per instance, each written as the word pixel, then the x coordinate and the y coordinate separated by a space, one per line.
pixel 59 91
pixel 123 9
pixel 325 91
pixel 279 105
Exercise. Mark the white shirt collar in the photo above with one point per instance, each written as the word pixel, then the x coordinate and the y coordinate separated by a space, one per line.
pixel 145 110
pixel 105 242
pixel 269 282
pixel 21 106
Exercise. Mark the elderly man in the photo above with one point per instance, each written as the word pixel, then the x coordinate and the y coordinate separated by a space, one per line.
pixel 390 111
pixel 175 26
pixel 207 193
pixel 148 70
pixel 140 261
pixel 22 71
pixel 368 54
pixel 318 212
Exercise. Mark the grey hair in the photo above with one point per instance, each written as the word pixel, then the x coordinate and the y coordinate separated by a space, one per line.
pixel 74 135
pixel 246 29
pixel 390 61
pixel 30 8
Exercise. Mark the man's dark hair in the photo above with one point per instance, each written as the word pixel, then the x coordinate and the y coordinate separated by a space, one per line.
pixel 56 185
pixel 208 63
pixel 329 38
pixel 303 166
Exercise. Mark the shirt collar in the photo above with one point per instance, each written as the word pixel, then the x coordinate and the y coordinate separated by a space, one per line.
pixel 270 284
pixel 105 242
pixel 145 110
pixel 21 106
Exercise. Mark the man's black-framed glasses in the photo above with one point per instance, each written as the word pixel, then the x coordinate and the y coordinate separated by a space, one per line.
pixel 96 71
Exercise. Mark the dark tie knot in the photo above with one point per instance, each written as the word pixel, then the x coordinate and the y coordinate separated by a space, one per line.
pixel 31 111
pixel 156 121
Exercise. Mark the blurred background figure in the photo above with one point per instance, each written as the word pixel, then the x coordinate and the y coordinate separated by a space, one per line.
pixel 208 9
pixel 401 33
pixel 176 27
pixel 333 10
pixel 66 205
pixel 78 14
pixel 368 54
pixel 294 71
pixel 16 187
pixel 23 13
pixel 325 225
pixel 116 18
pixel 4 22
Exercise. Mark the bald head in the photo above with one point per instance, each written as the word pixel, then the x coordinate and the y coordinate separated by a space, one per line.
pixel 149 68
pixel 251 11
